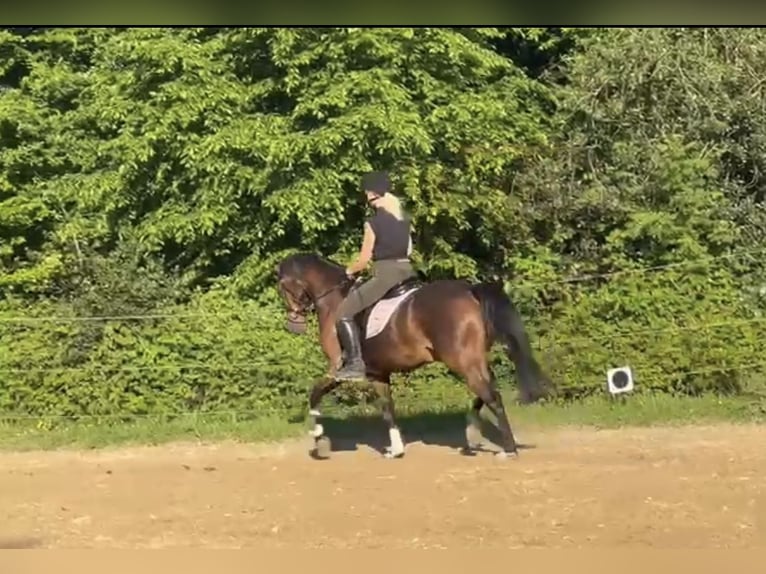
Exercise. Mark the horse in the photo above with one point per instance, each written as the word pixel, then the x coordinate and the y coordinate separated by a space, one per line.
pixel 416 323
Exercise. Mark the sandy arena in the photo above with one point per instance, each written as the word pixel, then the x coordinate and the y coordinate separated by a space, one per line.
pixel 659 487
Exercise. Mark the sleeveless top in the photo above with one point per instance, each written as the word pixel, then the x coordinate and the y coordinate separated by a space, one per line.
pixel 392 236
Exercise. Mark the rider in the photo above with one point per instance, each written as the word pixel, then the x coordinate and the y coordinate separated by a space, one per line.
pixel 388 244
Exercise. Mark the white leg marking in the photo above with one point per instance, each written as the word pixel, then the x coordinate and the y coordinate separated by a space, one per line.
pixel 473 436
pixel 314 413
pixel 318 431
pixel 397 445
pixel 504 455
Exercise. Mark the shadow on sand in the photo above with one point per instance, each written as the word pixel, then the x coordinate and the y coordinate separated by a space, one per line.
pixel 19 543
pixel 445 429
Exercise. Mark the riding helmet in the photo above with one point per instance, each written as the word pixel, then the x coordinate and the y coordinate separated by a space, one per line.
pixel 377 182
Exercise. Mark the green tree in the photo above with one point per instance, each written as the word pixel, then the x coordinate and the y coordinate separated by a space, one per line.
pixel 163 171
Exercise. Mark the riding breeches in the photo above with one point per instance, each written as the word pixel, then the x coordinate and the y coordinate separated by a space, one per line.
pixel 386 274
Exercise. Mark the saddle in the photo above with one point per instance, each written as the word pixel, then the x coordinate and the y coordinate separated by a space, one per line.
pixel 403 287
pixel 376 317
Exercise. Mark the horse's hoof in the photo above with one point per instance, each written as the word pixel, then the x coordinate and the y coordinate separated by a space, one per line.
pixel 468 450
pixel 322 448
pixel 388 453
pixel 506 455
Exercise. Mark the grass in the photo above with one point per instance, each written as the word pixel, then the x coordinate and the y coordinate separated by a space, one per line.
pixel 598 412
pixel 30 434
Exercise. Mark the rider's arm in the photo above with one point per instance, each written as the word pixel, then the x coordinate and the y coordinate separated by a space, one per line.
pixel 365 254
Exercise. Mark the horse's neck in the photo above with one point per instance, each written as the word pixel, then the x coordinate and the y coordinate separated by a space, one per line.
pixel 334 289
pixel 327 309
pixel 333 274
pixel 329 268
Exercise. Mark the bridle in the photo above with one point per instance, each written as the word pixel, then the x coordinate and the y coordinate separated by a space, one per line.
pixel 298 316
pixel 345 281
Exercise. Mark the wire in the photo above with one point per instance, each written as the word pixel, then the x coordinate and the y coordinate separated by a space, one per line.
pixel 721 368
pixel 250 415
pixel 196 414
pixel 186 366
pixel 273 313
pixel 623 334
pixel 547 346
pixel 638 270
pixel 148 316
pixel 120 369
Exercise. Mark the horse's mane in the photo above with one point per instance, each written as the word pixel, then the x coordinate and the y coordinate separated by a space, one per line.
pixel 297 263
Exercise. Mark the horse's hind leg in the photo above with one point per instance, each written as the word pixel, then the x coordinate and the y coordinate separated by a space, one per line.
pixel 482 382
pixel 473 436
pixel 382 386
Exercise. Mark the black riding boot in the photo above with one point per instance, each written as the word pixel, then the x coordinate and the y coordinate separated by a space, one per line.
pixel 353 367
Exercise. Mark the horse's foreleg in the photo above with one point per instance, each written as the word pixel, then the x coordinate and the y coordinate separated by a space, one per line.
pixel 383 388
pixel 322 446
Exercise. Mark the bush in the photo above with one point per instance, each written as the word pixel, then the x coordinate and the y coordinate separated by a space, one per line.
pixel 215 353
pixel 682 332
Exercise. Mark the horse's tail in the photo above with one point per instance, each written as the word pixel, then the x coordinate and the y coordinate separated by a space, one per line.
pixel 504 324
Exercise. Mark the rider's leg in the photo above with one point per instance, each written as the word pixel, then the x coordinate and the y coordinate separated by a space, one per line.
pixel 348 331
pixel 349 334
pixel 387 274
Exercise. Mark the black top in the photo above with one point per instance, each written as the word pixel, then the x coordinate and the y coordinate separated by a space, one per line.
pixel 392 236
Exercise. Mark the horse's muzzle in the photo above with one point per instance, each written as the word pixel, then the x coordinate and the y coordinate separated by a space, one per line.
pixel 296 323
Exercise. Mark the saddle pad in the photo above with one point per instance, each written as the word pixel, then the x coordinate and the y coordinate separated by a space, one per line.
pixel 382 311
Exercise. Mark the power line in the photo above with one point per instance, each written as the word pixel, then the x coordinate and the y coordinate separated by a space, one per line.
pixel 236 366
pixel 623 334
pixel 272 313
pixel 249 415
pixel 141 317
pixel 720 369
pixel 547 345
pixel 129 369
pixel 195 414
pixel 640 270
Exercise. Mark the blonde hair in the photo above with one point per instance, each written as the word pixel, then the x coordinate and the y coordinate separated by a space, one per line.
pixel 392 204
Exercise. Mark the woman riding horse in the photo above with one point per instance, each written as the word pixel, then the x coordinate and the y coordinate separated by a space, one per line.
pixel 451 321
pixel 388 244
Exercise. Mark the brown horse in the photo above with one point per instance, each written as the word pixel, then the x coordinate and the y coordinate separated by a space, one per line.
pixel 450 321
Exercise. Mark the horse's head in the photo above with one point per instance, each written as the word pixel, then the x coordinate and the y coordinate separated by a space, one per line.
pixel 303 280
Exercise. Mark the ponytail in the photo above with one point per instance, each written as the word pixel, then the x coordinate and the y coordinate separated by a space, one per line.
pixel 393 205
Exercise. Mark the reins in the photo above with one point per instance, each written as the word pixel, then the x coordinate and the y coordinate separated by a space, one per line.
pixel 339 285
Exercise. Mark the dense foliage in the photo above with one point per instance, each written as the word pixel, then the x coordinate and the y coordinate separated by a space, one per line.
pixel 150 178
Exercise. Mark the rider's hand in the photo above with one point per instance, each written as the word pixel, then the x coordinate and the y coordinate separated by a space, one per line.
pixel 350 274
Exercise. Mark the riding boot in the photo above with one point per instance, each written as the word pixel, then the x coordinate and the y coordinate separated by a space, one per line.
pixel 350 341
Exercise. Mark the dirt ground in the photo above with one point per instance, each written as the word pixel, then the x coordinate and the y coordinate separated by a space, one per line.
pixel 661 487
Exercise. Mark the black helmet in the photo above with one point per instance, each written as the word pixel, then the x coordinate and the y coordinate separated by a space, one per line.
pixel 377 182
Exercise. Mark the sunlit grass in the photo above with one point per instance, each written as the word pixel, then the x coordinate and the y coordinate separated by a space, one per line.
pixel 598 412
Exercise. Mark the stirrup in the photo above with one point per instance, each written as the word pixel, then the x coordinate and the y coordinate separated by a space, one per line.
pixel 352 372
